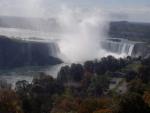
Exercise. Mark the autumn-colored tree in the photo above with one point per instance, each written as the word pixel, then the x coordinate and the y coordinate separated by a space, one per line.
pixel 86 80
pixel 147 97
pixel 103 111
pixel 88 106
pixel 9 102
pixel 105 102
pixel 65 105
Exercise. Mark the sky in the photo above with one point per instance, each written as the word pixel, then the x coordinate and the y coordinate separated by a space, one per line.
pixel 133 10
pixel 110 3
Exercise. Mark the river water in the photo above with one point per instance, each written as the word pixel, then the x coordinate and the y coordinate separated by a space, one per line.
pixel 28 73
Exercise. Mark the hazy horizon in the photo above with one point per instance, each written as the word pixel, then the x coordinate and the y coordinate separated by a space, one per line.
pixel 135 10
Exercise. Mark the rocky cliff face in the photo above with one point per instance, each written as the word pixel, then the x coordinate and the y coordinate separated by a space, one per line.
pixel 18 53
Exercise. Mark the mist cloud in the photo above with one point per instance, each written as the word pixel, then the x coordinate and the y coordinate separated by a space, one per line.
pixel 82 32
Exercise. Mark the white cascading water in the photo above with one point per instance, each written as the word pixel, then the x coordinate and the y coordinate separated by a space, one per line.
pixel 127 49
pixel 53 50
pixel 131 50
pixel 121 48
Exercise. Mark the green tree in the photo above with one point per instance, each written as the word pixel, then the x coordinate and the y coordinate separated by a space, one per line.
pixel 98 85
pixel 132 103
pixel 136 86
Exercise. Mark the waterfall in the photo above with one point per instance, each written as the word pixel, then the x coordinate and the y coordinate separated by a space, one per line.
pixel 53 49
pixel 122 47
pixel 130 50
pixel 127 48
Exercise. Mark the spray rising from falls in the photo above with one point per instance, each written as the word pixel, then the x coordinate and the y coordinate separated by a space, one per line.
pixel 82 29
pixel 82 33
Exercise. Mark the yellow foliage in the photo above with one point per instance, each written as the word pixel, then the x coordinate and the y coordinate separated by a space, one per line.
pixel 147 97
pixel 9 102
pixel 103 111
pixel 105 102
